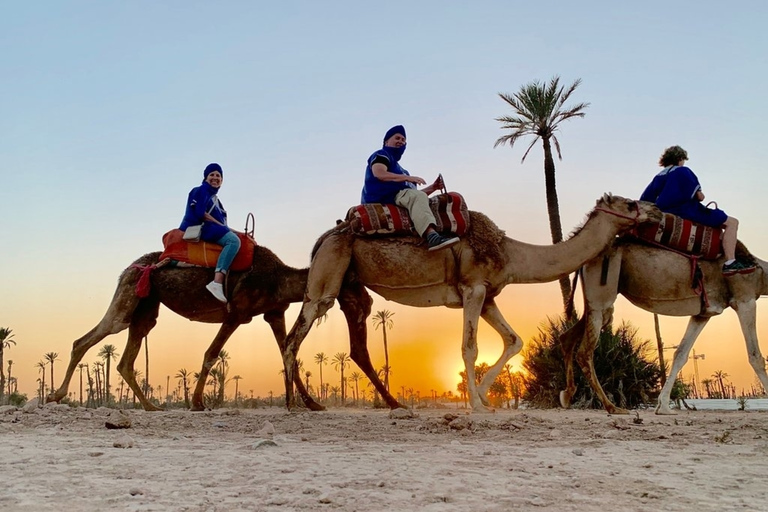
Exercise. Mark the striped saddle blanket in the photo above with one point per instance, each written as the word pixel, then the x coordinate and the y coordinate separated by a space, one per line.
pixel 683 235
pixel 450 211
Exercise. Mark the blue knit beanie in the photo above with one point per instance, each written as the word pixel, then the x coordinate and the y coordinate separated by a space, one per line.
pixel 394 130
pixel 210 168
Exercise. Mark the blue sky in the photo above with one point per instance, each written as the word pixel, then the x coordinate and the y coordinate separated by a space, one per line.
pixel 110 111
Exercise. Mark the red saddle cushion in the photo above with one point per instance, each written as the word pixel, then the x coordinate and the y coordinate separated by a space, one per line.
pixel 684 236
pixel 450 211
pixel 205 254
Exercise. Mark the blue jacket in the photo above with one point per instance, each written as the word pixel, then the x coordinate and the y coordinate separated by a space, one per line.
pixel 201 200
pixel 674 191
pixel 378 191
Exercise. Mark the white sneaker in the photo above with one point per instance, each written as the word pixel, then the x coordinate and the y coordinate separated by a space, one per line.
pixel 217 290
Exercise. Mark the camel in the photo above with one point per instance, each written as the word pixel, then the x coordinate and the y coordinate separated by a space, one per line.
pixel 659 281
pixel 268 288
pixel 468 275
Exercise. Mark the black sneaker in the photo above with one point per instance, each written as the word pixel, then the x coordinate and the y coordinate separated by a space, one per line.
pixel 436 241
pixel 738 267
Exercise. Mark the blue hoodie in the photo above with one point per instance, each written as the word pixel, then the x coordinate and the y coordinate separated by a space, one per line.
pixel 201 200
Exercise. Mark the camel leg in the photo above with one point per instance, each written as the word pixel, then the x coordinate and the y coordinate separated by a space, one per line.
pixel 226 330
pixel 747 313
pixel 695 326
pixel 356 303
pixel 473 298
pixel 512 345
pixel 144 319
pixel 116 319
pixel 326 274
pixel 569 340
pixel 596 321
pixel 276 321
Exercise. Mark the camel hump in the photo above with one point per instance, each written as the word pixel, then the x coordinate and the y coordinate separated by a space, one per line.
pixel 449 209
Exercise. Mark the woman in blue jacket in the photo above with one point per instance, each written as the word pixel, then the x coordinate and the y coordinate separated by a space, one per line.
pixel 204 207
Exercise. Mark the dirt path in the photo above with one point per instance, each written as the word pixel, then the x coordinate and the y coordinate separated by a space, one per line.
pixel 350 460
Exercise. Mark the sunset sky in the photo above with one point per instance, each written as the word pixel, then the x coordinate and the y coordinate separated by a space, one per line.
pixel 111 110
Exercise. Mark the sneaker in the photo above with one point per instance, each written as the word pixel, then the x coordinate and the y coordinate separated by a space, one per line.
pixel 437 242
pixel 217 290
pixel 738 267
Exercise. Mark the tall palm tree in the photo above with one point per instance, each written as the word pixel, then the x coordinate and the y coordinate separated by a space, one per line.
pixel 383 318
pixel 222 363
pixel 340 362
pixel 321 359
pixel 236 378
pixel 184 375
pixel 6 340
pixel 355 377
pixel 720 376
pixel 81 367
pixel 51 357
pixel 10 364
pixel 307 375
pixel 538 111
pixel 42 365
pixel 108 353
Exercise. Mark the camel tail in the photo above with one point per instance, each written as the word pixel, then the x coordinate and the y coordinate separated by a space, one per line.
pixel 570 308
pixel 341 227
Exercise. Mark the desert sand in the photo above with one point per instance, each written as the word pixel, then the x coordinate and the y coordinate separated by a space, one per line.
pixel 59 458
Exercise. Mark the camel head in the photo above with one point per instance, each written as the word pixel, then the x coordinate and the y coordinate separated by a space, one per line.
pixel 633 210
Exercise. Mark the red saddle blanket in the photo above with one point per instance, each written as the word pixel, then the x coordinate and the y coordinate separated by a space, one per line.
pixel 684 236
pixel 450 211
pixel 205 254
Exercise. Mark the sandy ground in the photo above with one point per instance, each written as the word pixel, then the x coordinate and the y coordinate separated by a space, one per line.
pixel 57 458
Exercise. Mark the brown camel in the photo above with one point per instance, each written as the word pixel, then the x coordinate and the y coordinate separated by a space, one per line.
pixel 267 289
pixel 469 275
pixel 659 281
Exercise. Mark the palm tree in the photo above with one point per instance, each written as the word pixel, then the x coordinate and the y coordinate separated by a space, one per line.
pixel 236 378
pixel 81 367
pixel 321 359
pixel 355 377
pixel 51 357
pixel 42 365
pixel 340 362
pixel 6 340
pixel 383 318
pixel 720 376
pixel 307 375
pixel 538 111
pixel 223 365
pixel 183 374
pixel 10 364
pixel 108 353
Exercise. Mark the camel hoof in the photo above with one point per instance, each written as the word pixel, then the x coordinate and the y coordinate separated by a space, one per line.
pixel 483 410
pixel 565 400
pixel 153 408
pixel 618 410
pixel 314 406
pixel 665 411
pixel 197 407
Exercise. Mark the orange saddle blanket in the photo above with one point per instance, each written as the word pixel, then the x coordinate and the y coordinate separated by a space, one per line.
pixel 450 211
pixel 205 254
pixel 684 236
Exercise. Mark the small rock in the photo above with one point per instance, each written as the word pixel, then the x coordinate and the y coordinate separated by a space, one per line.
pixel 136 492
pixel 220 424
pixel 123 441
pixel 461 423
pixel 267 430
pixel 31 406
pixel 401 414
pixel 95 454
pixel 263 443
pixel 578 451
pixel 554 433
pixel 118 419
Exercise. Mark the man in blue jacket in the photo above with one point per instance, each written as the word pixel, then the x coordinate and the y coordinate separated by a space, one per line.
pixel 676 190
pixel 387 182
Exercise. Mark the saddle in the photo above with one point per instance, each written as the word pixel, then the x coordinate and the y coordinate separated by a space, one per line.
pixel 450 211
pixel 205 254
pixel 682 235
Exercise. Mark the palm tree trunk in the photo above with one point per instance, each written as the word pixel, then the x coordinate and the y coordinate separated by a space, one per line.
pixel 660 346
pixel 553 210
pixel 386 357
pixel 2 374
